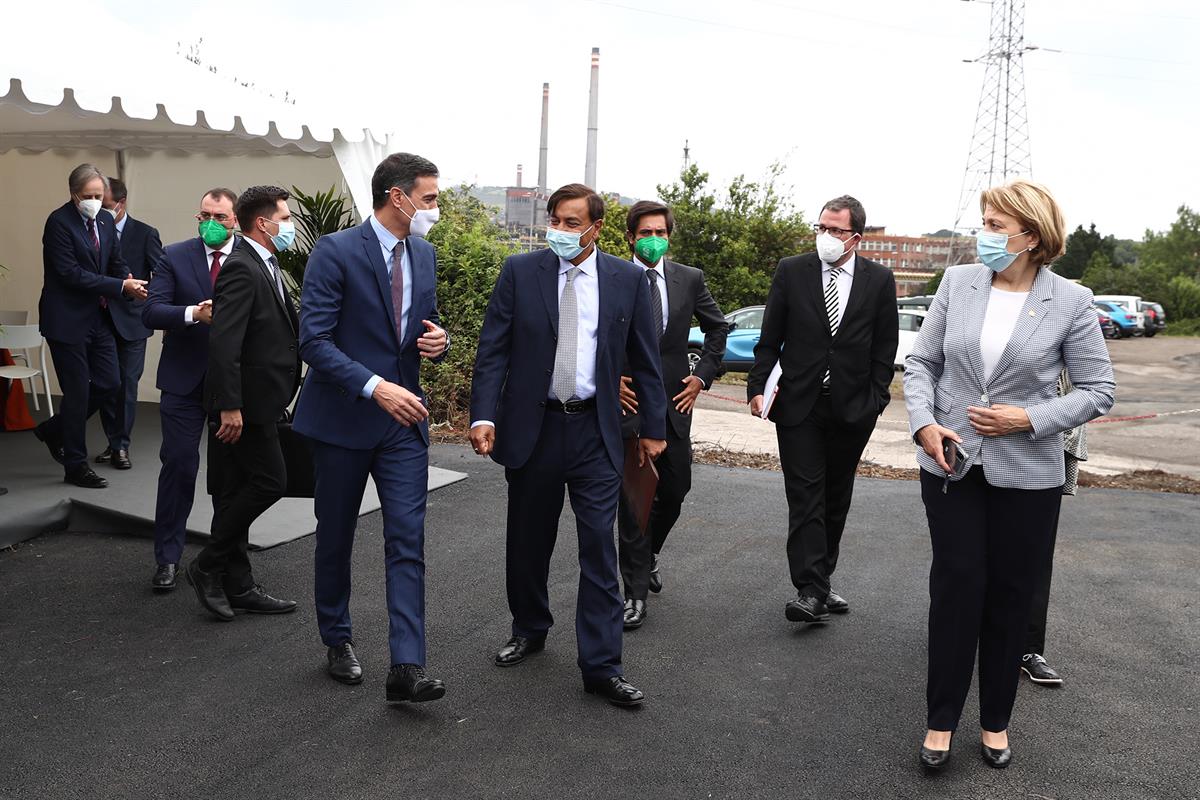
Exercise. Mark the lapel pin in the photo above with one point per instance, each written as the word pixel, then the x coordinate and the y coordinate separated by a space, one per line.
pixel 1033 313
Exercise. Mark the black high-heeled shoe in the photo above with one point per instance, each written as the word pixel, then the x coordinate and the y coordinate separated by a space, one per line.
pixel 935 759
pixel 996 758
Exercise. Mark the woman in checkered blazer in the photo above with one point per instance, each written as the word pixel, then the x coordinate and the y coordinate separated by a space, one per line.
pixel 981 387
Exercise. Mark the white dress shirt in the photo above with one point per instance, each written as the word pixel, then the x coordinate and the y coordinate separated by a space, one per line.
pixel 387 243
pixel 224 250
pixel 845 281
pixel 662 284
pixel 587 303
pixel 999 322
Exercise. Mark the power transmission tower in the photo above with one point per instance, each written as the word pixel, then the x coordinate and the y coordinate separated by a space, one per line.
pixel 687 155
pixel 1000 143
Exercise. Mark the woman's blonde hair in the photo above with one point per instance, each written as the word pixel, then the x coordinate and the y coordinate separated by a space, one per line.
pixel 1033 205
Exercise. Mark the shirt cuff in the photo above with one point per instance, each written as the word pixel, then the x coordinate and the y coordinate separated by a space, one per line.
pixel 477 423
pixel 369 389
pixel 187 316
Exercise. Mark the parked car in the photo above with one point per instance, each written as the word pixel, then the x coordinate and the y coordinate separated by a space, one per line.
pixel 1126 323
pixel 1155 318
pixel 910 323
pixel 1130 302
pixel 920 302
pixel 745 326
pixel 1106 325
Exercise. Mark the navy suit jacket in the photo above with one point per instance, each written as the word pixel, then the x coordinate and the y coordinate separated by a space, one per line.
pixel 181 279
pixel 76 275
pixel 348 334
pixel 515 360
pixel 141 249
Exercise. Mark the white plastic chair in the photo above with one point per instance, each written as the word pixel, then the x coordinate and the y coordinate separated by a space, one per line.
pixel 26 337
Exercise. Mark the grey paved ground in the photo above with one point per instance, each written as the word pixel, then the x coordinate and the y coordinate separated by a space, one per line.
pixel 111 692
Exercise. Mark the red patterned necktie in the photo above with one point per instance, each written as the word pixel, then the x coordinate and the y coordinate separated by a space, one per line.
pixel 216 267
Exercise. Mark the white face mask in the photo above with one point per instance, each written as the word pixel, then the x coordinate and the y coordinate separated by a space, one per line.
pixel 830 248
pixel 421 220
pixel 89 208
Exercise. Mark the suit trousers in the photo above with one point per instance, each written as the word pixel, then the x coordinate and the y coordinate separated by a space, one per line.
pixel 819 458
pixel 182 419
pixel 990 545
pixel 674 482
pixel 119 408
pixel 87 374
pixel 570 455
pixel 1035 633
pixel 253 479
pixel 400 468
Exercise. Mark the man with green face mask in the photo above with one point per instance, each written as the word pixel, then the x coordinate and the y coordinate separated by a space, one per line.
pixel 180 304
pixel 677 295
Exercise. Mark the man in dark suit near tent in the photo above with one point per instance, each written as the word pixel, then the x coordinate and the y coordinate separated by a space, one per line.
pixel 141 249
pixel 560 325
pixel 180 305
pixel 84 275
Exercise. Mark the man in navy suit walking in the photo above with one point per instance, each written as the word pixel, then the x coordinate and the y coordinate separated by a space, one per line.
pixel 141 249
pixel 180 305
pixel 560 325
pixel 84 274
pixel 368 315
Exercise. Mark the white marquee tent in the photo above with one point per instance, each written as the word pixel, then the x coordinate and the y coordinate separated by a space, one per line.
pixel 168 126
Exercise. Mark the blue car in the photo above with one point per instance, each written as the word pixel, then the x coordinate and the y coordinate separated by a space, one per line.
pixel 745 326
pixel 1124 322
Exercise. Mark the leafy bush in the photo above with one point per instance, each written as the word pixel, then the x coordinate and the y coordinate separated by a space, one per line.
pixel 316 215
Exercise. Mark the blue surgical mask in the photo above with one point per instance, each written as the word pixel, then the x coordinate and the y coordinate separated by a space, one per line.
pixel 287 234
pixel 565 245
pixel 993 250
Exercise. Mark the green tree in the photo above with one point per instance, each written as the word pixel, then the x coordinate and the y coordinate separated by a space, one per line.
pixel 612 235
pixel 932 285
pixel 470 251
pixel 1181 298
pixel 1176 251
pixel 316 215
pixel 737 238
pixel 1081 246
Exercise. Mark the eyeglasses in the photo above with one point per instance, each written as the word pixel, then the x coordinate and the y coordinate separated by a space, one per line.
pixel 838 232
pixel 204 216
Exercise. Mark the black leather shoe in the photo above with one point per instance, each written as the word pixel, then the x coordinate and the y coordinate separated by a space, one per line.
pixel 615 690
pixel 255 601
pixel 53 443
pixel 635 614
pixel 104 457
pixel 86 477
pixel 806 609
pixel 997 759
pixel 209 591
pixel 409 683
pixel 934 759
pixel 1041 673
pixel 120 459
pixel 517 648
pixel 164 577
pixel 836 603
pixel 655 577
pixel 343 664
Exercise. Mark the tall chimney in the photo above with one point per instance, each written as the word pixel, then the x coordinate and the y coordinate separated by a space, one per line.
pixel 541 184
pixel 519 170
pixel 589 166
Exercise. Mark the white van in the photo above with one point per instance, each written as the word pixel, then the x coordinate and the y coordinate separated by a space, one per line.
pixel 1130 302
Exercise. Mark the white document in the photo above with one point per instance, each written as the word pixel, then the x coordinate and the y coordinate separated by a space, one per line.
pixel 771 389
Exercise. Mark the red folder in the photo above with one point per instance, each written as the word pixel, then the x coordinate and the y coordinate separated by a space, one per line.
pixel 639 484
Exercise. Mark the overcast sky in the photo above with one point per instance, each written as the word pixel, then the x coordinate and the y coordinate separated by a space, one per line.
pixel 870 97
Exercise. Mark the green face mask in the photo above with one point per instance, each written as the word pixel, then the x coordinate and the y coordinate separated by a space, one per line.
pixel 651 249
pixel 213 233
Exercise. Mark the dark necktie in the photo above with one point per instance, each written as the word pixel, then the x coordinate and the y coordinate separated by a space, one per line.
pixel 831 308
pixel 398 289
pixel 215 270
pixel 656 303
pixel 91 228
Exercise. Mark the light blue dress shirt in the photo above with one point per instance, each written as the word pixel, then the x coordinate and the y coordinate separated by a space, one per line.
pixel 387 243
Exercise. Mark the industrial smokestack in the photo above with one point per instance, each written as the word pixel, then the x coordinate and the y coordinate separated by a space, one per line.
pixel 541 184
pixel 589 166
pixel 519 171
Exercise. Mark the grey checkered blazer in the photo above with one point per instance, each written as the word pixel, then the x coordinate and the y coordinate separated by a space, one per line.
pixel 944 374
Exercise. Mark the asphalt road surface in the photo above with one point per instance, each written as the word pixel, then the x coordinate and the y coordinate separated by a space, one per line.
pixel 110 691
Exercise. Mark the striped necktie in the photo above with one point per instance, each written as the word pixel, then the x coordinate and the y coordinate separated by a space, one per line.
pixel 831 309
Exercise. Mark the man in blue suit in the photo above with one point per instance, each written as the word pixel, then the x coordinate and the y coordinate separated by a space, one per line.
pixel 180 305
pixel 141 249
pixel 560 325
pixel 368 315
pixel 84 275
